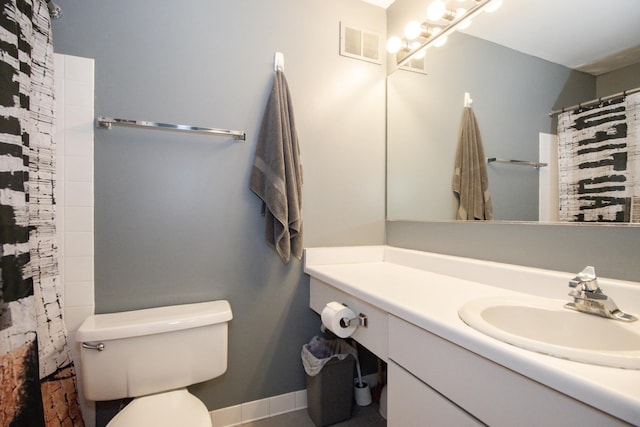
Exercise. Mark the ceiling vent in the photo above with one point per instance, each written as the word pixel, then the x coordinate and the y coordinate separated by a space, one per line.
pixel 360 44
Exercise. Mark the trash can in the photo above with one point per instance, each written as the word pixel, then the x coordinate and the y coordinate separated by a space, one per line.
pixel 329 365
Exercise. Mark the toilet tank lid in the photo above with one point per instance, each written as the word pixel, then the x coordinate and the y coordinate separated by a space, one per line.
pixel 153 320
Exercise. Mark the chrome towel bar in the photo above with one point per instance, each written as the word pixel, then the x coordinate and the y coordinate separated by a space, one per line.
pixel 108 123
pixel 536 165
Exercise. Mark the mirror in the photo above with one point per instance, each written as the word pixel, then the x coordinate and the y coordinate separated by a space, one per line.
pixel 513 93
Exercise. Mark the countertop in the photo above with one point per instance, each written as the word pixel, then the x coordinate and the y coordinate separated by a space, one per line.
pixel 402 283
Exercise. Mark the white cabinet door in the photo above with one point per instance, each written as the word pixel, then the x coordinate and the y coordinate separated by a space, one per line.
pixel 412 403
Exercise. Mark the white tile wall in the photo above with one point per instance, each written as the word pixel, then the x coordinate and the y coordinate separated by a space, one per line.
pixel 74 84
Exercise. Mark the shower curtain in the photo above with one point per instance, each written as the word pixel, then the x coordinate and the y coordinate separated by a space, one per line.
pixel 37 377
pixel 599 162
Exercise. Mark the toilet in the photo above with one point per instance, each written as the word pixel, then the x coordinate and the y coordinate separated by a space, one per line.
pixel 152 355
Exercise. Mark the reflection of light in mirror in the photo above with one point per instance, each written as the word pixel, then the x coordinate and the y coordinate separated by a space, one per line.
pixel 465 23
pixel 420 54
pixel 440 42
pixel 494 5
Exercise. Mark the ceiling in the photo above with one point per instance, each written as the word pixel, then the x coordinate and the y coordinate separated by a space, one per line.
pixel 594 36
pixel 381 3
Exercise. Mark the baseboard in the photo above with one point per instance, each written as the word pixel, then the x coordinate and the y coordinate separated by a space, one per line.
pixel 268 407
pixel 259 409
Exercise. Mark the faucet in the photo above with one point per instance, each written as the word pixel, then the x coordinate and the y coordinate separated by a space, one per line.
pixel 589 298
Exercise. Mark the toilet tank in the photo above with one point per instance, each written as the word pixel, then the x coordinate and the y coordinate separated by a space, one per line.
pixel 152 350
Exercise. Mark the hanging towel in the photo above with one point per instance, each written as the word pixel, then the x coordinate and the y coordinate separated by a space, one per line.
pixel 470 182
pixel 276 176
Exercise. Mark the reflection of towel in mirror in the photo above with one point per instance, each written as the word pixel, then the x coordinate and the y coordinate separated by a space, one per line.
pixel 276 176
pixel 470 181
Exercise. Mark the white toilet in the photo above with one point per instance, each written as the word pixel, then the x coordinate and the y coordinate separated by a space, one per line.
pixel 153 355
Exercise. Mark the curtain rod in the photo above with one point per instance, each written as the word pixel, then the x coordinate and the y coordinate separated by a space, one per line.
pixel 595 101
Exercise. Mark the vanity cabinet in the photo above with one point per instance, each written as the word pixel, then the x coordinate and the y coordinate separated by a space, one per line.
pixel 443 372
pixel 467 389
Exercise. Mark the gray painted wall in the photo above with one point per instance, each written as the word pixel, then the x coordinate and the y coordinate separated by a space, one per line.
pixel 619 80
pixel 613 250
pixel 175 221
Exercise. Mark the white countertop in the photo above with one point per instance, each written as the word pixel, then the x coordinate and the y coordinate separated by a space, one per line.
pixel 404 284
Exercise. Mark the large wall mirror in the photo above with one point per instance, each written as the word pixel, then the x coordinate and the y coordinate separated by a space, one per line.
pixel 516 67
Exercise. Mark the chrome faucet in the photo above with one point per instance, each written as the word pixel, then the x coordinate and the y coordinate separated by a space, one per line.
pixel 589 298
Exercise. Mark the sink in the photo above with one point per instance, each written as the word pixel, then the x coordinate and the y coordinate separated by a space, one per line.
pixel 544 326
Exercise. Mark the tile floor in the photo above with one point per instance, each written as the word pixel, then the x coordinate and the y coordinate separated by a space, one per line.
pixel 363 416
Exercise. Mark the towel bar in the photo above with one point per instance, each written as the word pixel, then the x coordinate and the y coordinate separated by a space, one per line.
pixel 536 165
pixel 108 122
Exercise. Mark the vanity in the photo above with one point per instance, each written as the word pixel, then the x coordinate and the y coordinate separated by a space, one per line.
pixel 441 371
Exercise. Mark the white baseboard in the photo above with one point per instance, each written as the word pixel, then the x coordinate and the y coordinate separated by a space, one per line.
pixel 268 407
pixel 259 409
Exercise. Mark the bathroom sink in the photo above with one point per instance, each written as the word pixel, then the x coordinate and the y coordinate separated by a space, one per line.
pixel 544 326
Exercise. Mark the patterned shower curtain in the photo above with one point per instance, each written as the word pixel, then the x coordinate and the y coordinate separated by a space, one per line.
pixel 599 162
pixel 37 377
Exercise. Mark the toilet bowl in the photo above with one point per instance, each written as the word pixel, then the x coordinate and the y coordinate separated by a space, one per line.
pixel 152 355
pixel 168 409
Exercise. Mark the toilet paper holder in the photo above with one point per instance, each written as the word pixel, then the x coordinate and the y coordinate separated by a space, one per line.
pixel 361 320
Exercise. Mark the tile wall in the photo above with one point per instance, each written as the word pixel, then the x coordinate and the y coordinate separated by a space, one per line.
pixel 74 89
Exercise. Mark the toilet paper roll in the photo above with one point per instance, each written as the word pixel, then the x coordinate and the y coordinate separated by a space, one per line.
pixel 332 315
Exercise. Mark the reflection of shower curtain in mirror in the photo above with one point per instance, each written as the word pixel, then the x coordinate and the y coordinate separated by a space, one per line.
pixel 38 383
pixel 599 162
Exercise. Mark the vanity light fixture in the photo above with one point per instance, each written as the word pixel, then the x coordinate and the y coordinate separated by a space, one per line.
pixel 395 44
pixel 426 34
pixel 437 10
pixel 414 29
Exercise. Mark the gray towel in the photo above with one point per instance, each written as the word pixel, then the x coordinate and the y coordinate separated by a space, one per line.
pixel 276 176
pixel 470 181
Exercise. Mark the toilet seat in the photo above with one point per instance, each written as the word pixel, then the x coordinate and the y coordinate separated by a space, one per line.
pixel 174 408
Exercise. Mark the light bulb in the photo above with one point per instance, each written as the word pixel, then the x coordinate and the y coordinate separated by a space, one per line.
pixel 464 24
pixel 441 41
pixel 412 30
pixel 436 10
pixel 394 44
pixel 460 12
pixel 419 54
pixel 493 6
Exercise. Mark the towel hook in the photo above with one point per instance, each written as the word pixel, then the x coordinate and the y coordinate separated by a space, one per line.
pixel 278 62
pixel 467 99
